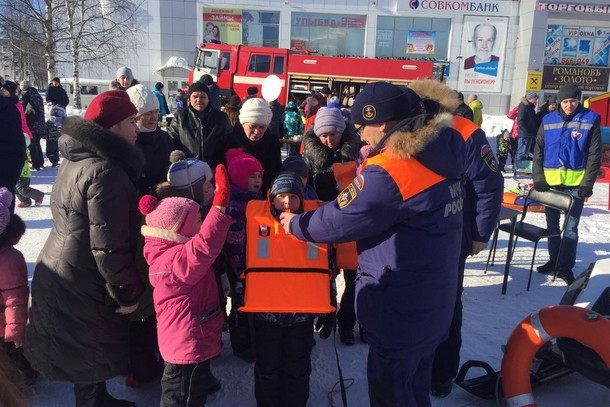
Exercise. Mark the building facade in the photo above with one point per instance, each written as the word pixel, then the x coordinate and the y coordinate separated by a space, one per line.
pixel 496 49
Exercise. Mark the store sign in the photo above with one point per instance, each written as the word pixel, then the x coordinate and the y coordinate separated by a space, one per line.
pixel 457 6
pixel 588 79
pixel 556 6
pixel 329 21
pixel 575 45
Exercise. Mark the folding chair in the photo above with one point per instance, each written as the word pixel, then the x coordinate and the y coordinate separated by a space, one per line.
pixel 521 229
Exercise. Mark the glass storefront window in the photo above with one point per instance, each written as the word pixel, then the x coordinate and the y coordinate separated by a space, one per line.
pixel 412 37
pixel 328 34
pixel 261 28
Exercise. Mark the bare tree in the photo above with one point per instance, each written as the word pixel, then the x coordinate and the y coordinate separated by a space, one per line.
pixel 75 31
pixel 34 20
pixel 100 31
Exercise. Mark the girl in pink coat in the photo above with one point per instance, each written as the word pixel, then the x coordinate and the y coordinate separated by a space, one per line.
pixel 180 251
pixel 14 290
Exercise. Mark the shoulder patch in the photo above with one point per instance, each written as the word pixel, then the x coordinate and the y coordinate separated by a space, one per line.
pixel 347 196
pixel 489 158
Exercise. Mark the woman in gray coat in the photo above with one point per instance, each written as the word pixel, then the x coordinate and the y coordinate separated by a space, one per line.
pixel 85 281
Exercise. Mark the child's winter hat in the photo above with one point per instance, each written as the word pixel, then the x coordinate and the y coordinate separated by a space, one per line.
pixel 124 71
pixel 287 182
pixel 110 108
pixel 173 219
pixel 143 99
pixel 240 166
pixel 188 176
pixel 255 111
pixel 6 197
pixel 328 120
pixel 296 164
pixel 292 107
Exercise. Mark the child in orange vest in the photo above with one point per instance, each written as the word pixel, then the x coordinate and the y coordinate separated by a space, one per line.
pixel 284 340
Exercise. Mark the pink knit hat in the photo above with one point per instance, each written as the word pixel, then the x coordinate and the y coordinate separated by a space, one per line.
pixel 173 219
pixel 240 166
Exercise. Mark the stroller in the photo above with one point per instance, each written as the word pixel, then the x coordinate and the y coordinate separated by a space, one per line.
pixel 591 290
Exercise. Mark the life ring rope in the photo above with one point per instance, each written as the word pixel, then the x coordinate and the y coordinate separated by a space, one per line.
pixel 521 400
pixel 539 328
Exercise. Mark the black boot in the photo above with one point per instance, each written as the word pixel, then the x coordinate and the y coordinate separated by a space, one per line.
pixel 546 268
pixel 346 336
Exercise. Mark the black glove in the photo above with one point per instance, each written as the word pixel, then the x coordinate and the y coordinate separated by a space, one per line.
pixel 585 192
pixel 541 186
pixel 325 324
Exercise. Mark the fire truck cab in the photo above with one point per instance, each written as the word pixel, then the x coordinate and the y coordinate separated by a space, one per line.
pixel 235 68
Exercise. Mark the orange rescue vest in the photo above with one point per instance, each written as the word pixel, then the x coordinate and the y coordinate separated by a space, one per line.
pixel 283 273
pixel 346 253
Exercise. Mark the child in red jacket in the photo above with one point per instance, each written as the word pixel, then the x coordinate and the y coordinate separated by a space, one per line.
pixel 14 290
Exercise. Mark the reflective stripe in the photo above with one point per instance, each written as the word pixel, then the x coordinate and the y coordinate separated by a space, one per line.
pixel 564 176
pixel 569 125
pixel 262 248
pixel 521 400
pixel 312 251
pixel 538 328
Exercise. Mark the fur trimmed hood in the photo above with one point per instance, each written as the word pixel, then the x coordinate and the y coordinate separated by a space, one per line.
pixel 437 91
pixel 318 156
pixel 84 139
pixel 406 143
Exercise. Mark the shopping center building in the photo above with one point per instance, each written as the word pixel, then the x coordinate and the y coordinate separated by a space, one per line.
pixel 496 49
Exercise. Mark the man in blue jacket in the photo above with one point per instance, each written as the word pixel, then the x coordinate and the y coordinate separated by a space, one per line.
pixel 484 190
pixel 404 210
pixel 567 157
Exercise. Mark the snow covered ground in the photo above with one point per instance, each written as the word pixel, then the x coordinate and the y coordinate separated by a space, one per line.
pixel 489 318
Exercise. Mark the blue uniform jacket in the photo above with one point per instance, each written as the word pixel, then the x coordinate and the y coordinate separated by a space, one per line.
pixel 408 237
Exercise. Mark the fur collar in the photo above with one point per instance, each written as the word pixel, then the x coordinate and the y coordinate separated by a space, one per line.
pixel 90 137
pixel 406 144
pixel 320 157
pixel 437 91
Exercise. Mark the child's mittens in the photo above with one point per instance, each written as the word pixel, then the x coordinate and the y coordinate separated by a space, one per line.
pixel 222 193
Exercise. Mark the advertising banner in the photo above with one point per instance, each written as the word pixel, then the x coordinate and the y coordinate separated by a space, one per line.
pixel 421 42
pixel 222 26
pixel 574 45
pixel 483 45
pixel 588 79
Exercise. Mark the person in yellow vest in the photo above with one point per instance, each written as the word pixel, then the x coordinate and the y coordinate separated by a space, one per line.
pixel 287 282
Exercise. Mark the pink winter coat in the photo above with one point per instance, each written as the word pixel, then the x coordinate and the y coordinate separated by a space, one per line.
pixel 24 123
pixel 514 133
pixel 189 314
pixel 14 294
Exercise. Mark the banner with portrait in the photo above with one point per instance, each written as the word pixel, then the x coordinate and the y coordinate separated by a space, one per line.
pixel 221 26
pixel 483 47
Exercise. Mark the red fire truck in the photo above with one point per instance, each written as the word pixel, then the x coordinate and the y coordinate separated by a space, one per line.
pixel 237 67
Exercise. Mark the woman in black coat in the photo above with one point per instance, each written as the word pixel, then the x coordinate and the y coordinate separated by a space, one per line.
pixel 85 281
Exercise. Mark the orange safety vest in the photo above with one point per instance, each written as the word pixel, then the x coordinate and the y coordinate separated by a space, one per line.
pixel 464 126
pixel 283 273
pixel 346 253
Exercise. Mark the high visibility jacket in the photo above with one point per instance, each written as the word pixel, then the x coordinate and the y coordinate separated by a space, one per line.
pixel 484 184
pixel 283 273
pixel 566 145
pixel 346 253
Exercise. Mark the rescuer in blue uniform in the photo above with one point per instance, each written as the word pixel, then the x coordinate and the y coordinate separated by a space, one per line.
pixel 404 210
pixel 484 190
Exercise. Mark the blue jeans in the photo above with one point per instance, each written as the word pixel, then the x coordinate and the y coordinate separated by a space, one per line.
pixel 524 146
pixel 567 258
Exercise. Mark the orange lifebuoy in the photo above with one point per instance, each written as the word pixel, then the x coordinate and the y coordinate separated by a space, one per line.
pixel 511 200
pixel 562 321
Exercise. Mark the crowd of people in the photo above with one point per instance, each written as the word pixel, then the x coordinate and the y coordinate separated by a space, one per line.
pixel 154 229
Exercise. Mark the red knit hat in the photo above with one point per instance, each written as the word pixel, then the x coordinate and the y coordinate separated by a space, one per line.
pixel 240 166
pixel 109 108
